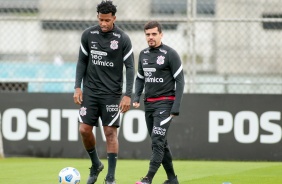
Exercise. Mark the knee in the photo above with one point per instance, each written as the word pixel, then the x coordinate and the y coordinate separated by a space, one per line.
pixel 111 135
pixel 158 145
pixel 85 130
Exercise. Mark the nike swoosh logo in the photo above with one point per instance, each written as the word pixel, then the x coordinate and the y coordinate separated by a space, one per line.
pixel 162 112
pixel 114 114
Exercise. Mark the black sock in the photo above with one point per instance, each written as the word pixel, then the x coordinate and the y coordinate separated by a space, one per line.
pixel 94 157
pixel 112 162
pixel 170 173
pixel 150 175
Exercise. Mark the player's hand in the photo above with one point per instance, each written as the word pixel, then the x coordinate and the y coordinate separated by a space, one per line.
pixel 136 104
pixel 77 96
pixel 125 104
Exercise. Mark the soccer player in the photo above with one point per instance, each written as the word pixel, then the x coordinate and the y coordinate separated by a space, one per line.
pixel 104 50
pixel 160 72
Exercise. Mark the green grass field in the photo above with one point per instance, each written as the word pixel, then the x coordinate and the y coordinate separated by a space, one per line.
pixel 45 171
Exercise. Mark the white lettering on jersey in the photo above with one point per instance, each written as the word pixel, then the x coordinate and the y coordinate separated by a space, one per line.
pixel 148 72
pixel 97 60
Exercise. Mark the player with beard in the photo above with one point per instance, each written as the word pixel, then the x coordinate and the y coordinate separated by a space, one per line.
pixel 160 73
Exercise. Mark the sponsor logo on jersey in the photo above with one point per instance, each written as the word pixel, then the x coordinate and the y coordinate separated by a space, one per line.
pixel 159 131
pixel 100 53
pixel 146 51
pixel 163 51
pixel 93 45
pixel 149 69
pixel 145 61
pixel 114 45
pixel 148 72
pixel 97 59
pixel 82 111
pixel 154 79
pixel 117 35
pixel 160 60
pixel 112 108
pixel 102 63
pixel 94 32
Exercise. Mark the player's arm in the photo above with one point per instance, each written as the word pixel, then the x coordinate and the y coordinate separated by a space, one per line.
pixel 178 75
pixel 139 84
pixel 81 67
pixel 128 60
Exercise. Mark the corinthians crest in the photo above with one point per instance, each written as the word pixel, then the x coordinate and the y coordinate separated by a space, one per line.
pixel 160 60
pixel 114 44
pixel 82 111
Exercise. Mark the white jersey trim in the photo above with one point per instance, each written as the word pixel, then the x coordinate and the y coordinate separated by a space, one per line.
pixel 140 76
pixel 128 54
pixel 178 71
pixel 83 50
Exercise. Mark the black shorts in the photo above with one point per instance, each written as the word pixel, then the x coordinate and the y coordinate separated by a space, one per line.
pixel 93 108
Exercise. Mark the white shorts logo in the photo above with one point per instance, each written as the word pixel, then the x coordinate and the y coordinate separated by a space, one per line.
pixel 159 131
pixel 82 111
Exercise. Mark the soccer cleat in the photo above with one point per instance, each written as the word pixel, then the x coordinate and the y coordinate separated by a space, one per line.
pixel 174 181
pixel 110 180
pixel 94 174
pixel 144 180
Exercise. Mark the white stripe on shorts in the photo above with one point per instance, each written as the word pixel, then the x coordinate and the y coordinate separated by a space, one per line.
pixel 165 120
pixel 114 120
pixel 80 120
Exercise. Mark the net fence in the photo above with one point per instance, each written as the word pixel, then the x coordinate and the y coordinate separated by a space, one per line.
pixel 226 46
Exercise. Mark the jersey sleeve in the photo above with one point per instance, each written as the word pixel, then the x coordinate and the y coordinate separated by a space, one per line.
pixel 177 72
pixel 82 62
pixel 139 81
pixel 128 59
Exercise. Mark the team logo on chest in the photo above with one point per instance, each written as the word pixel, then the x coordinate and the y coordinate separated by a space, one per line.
pixel 160 60
pixel 114 45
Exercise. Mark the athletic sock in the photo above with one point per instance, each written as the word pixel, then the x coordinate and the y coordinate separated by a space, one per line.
pixel 94 157
pixel 112 162
pixel 150 175
pixel 170 173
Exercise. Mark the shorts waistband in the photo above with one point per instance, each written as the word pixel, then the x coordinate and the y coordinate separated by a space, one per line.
pixel 160 98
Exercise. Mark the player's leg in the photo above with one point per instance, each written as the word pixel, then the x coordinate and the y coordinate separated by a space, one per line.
pixel 158 136
pixel 88 117
pixel 158 122
pixel 89 142
pixel 112 151
pixel 168 166
pixel 110 116
pixel 150 124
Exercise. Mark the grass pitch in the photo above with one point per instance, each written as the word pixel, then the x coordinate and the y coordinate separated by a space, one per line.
pixel 45 171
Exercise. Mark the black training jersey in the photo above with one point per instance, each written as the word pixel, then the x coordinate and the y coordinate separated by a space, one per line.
pixel 102 56
pixel 160 71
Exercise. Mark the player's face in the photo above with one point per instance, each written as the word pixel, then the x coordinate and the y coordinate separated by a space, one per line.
pixel 106 21
pixel 153 37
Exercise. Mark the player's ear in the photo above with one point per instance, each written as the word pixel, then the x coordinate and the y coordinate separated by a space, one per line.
pixel 114 18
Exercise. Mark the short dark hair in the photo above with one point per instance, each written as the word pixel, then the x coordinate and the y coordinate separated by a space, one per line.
pixel 153 24
pixel 106 6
